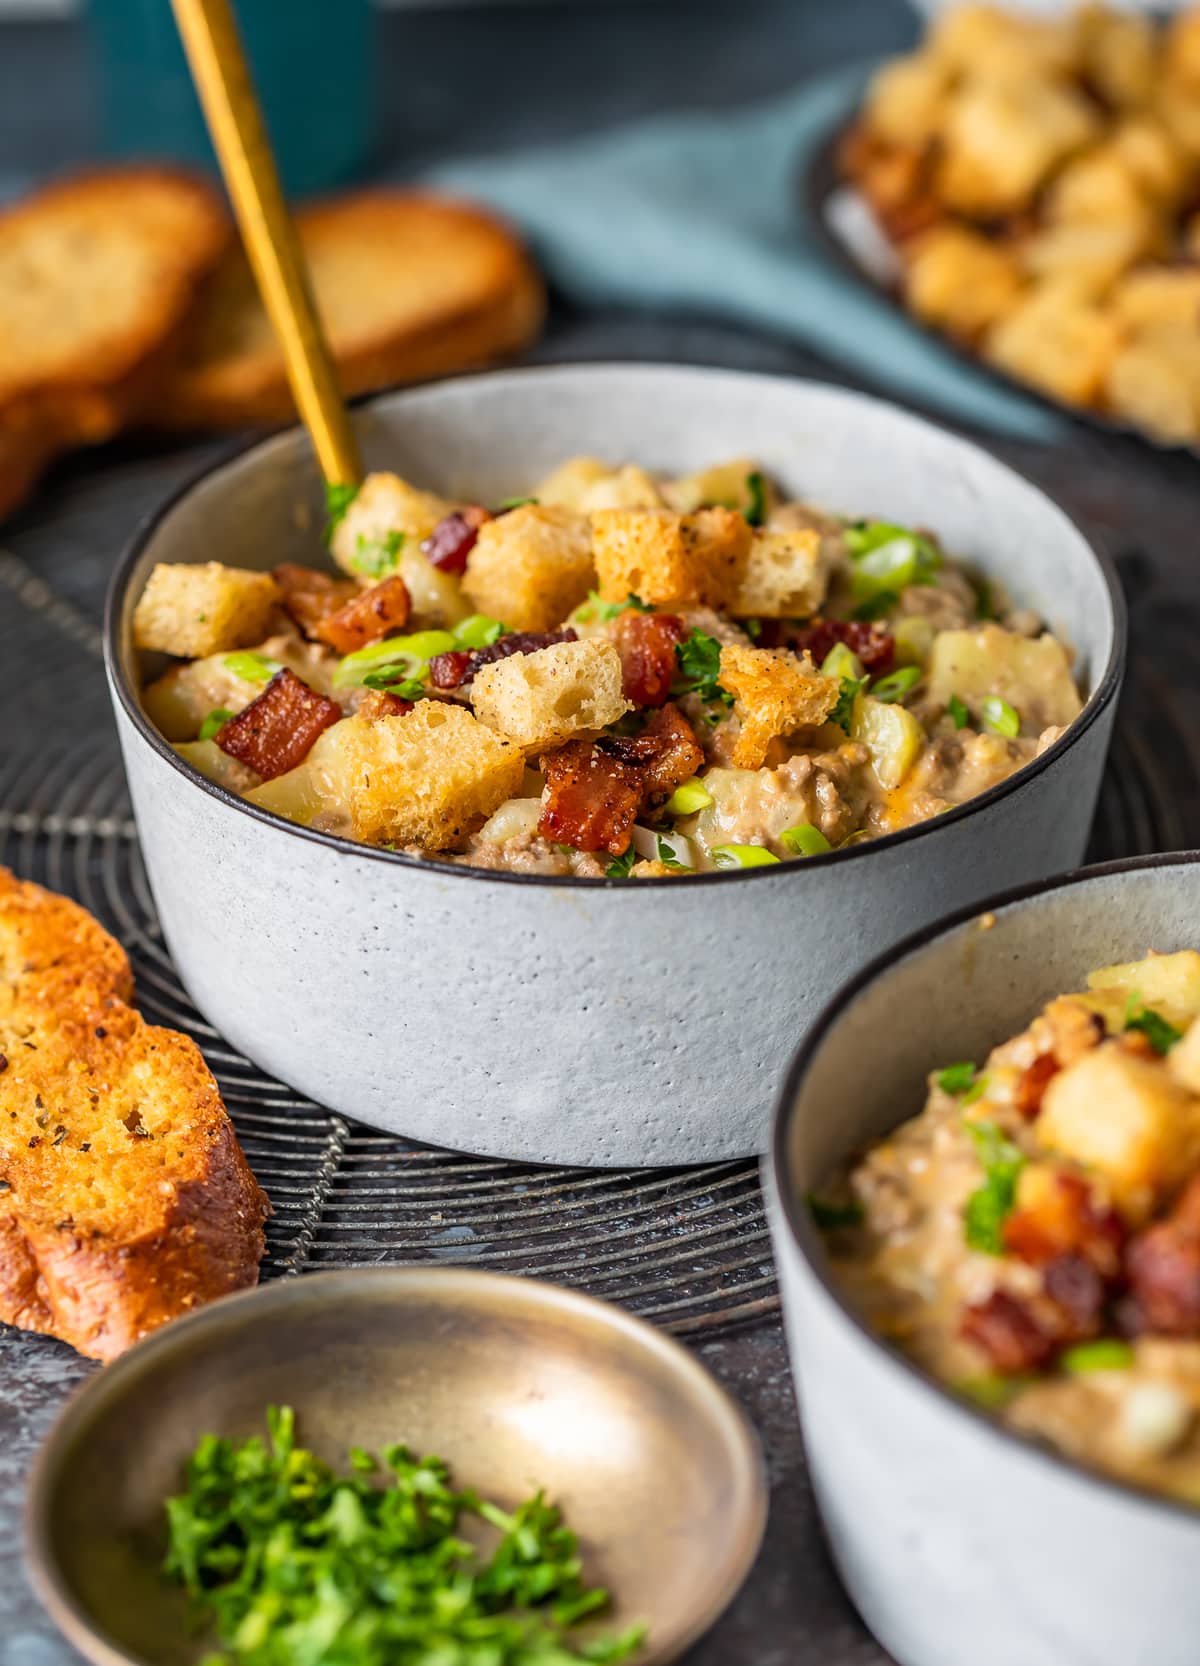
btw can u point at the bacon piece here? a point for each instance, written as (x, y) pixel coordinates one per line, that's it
(875, 647)
(1077, 1293)
(1057, 1216)
(646, 644)
(593, 799)
(369, 617)
(665, 753)
(276, 731)
(458, 667)
(1007, 1331)
(1163, 1268)
(380, 702)
(310, 596)
(453, 538)
(1031, 1084)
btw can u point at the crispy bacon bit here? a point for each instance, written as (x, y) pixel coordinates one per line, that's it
(1007, 1331)
(369, 617)
(309, 596)
(646, 644)
(1031, 1084)
(379, 702)
(1077, 1292)
(593, 799)
(276, 732)
(875, 647)
(1163, 1268)
(453, 538)
(665, 753)
(1057, 1216)
(457, 668)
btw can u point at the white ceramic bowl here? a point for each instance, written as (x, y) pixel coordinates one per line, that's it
(957, 1540)
(584, 1021)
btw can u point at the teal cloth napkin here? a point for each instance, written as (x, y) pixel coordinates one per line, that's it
(706, 213)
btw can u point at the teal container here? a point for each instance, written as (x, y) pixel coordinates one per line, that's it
(312, 65)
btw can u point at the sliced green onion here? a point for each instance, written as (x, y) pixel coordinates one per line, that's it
(956, 1078)
(896, 684)
(958, 712)
(1108, 1353)
(408, 653)
(756, 490)
(742, 856)
(841, 661)
(339, 495)
(991, 1389)
(805, 840)
(886, 557)
(976, 1090)
(830, 1216)
(216, 719)
(252, 668)
(1000, 717)
(516, 502)
(691, 796)
(1158, 1031)
(391, 681)
(479, 631)
(377, 558)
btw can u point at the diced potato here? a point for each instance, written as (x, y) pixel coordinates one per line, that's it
(314, 788)
(774, 694)
(517, 818)
(892, 736)
(429, 777)
(530, 567)
(906, 98)
(206, 609)
(1001, 140)
(725, 484)
(627, 488)
(786, 576)
(1170, 983)
(666, 558)
(961, 281)
(1031, 673)
(749, 806)
(227, 772)
(1057, 341)
(571, 481)
(437, 598)
(384, 504)
(542, 700)
(913, 637)
(1127, 1117)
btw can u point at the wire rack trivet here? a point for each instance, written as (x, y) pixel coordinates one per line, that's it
(686, 1248)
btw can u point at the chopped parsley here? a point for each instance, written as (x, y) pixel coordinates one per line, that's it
(959, 714)
(516, 502)
(699, 661)
(377, 557)
(991, 1204)
(339, 495)
(843, 711)
(391, 680)
(293, 1564)
(830, 1216)
(666, 855)
(1158, 1031)
(756, 488)
(956, 1078)
(216, 720)
(596, 608)
(621, 866)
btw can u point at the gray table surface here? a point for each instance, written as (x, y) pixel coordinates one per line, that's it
(54, 559)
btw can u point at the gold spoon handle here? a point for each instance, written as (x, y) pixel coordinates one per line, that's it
(214, 49)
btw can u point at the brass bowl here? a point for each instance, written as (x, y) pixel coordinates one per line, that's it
(517, 1384)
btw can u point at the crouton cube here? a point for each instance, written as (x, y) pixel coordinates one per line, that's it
(1001, 140)
(961, 282)
(567, 486)
(530, 567)
(584, 484)
(1057, 342)
(907, 97)
(1183, 49)
(1154, 382)
(774, 693)
(786, 576)
(1127, 1117)
(1153, 157)
(994, 42)
(1086, 258)
(1120, 54)
(209, 609)
(1159, 295)
(542, 700)
(664, 558)
(386, 518)
(428, 777)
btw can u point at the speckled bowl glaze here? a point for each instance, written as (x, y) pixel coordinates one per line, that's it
(582, 1021)
(957, 1540)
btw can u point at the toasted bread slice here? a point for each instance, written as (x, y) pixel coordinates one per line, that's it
(124, 1196)
(97, 274)
(408, 286)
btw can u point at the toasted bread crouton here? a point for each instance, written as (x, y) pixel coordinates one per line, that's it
(125, 1200)
(786, 576)
(1057, 341)
(364, 541)
(1001, 140)
(530, 567)
(774, 693)
(961, 281)
(666, 558)
(208, 609)
(542, 700)
(429, 777)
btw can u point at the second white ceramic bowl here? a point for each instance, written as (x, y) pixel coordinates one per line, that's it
(958, 1541)
(583, 1021)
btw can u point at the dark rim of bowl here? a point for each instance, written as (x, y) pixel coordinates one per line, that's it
(1097, 702)
(807, 1238)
